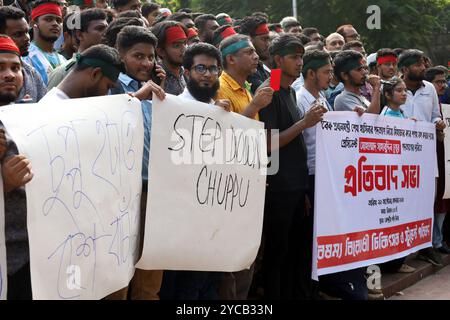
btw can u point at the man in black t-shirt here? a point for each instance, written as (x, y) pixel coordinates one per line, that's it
(285, 196)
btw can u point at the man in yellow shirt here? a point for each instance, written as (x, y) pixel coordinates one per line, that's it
(240, 61)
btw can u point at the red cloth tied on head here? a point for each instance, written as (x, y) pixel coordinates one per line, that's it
(387, 59)
(192, 33)
(227, 32)
(278, 29)
(262, 29)
(175, 33)
(46, 8)
(7, 45)
(228, 19)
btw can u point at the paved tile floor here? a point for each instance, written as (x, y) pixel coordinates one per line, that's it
(433, 287)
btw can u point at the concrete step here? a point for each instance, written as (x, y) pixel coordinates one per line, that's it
(392, 283)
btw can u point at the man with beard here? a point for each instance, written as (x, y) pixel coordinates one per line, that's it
(46, 19)
(285, 194)
(16, 172)
(240, 61)
(422, 103)
(317, 72)
(206, 24)
(172, 44)
(136, 46)
(386, 63)
(350, 69)
(257, 29)
(202, 67)
(14, 25)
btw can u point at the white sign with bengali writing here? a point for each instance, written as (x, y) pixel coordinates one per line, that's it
(83, 204)
(375, 182)
(207, 180)
(3, 271)
(446, 116)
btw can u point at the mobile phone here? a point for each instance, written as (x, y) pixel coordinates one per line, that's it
(154, 76)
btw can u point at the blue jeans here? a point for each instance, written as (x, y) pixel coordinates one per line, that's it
(438, 222)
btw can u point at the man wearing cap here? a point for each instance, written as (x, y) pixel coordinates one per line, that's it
(224, 19)
(291, 25)
(14, 25)
(350, 68)
(16, 172)
(222, 33)
(334, 42)
(257, 29)
(172, 44)
(386, 63)
(284, 217)
(46, 19)
(93, 26)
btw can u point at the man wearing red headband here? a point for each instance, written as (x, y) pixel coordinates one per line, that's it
(222, 33)
(257, 29)
(386, 64)
(46, 19)
(16, 172)
(14, 25)
(192, 36)
(172, 44)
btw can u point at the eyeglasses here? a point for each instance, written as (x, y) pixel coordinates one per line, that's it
(201, 69)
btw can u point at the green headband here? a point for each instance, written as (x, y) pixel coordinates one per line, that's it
(351, 65)
(316, 64)
(108, 70)
(235, 47)
(409, 61)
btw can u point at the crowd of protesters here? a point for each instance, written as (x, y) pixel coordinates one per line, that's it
(49, 52)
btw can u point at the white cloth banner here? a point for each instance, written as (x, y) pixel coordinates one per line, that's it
(206, 188)
(374, 190)
(3, 271)
(83, 204)
(446, 116)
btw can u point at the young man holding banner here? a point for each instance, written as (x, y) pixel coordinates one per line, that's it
(136, 46)
(284, 212)
(317, 72)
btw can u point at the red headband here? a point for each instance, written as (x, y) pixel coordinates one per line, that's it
(7, 45)
(228, 19)
(278, 29)
(386, 59)
(192, 33)
(227, 32)
(262, 29)
(46, 8)
(175, 33)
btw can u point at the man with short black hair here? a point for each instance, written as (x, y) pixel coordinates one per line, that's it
(258, 30)
(206, 24)
(136, 46)
(14, 25)
(93, 26)
(184, 18)
(284, 264)
(350, 69)
(113, 29)
(150, 11)
(172, 44)
(125, 5)
(313, 34)
(356, 46)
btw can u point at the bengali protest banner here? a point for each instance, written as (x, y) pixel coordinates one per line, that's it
(3, 270)
(375, 186)
(83, 204)
(207, 180)
(446, 116)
